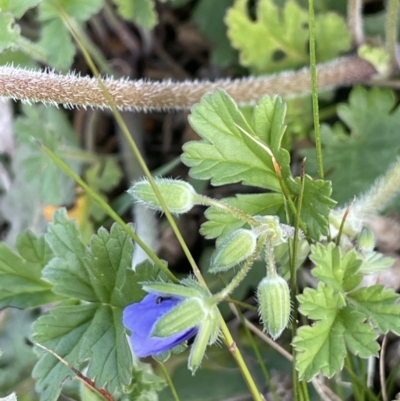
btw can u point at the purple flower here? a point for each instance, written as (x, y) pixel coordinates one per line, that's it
(140, 318)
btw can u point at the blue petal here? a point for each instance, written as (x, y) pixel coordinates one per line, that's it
(140, 319)
(146, 346)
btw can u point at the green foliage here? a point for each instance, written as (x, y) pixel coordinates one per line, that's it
(19, 8)
(363, 153)
(227, 155)
(102, 177)
(284, 36)
(219, 225)
(9, 33)
(92, 330)
(55, 34)
(347, 317)
(51, 128)
(141, 12)
(208, 15)
(21, 284)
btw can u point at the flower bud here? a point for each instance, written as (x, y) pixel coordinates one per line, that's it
(237, 247)
(178, 195)
(271, 225)
(366, 240)
(274, 304)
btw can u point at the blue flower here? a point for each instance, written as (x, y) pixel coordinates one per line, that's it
(141, 318)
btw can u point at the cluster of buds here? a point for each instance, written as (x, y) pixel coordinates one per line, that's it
(171, 314)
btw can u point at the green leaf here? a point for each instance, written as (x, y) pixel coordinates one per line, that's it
(9, 33)
(76, 9)
(52, 128)
(21, 285)
(316, 205)
(284, 35)
(379, 305)
(19, 8)
(334, 269)
(220, 224)
(141, 12)
(362, 154)
(227, 155)
(91, 332)
(208, 15)
(55, 36)
(321, 348)
(77, 333)
(101, 177)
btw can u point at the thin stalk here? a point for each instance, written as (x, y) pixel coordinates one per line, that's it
(314, 84)
(391, 31)
(277, 168)
(382, 375)
(358, 383)
(230, 343)
(169, 381)
(254, 346)
(104, 205)
(293, 279)
(206, 201)
(110, 102)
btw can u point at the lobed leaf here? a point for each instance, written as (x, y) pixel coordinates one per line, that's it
(226, 154)
(334, 269)
(284, 34)
(361, 154)
(21, 285)
(379, 305)
(322, 347)
(91, 332)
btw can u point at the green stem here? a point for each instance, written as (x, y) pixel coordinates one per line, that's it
(169, 381)
(260, 360)
(293, 278)
(230, 343)
(206, 201)
(104, 205)
(314, 85)
(391, 29)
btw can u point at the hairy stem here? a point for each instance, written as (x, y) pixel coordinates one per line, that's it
(355, 22)
(71, 90)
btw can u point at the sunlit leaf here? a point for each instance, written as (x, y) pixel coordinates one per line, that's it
(284, 35)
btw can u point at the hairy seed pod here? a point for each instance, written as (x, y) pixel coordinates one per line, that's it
(274, 304)
(178, 195)
(237, 247)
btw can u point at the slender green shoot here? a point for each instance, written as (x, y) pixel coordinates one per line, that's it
(169, 381)
(314, 85)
